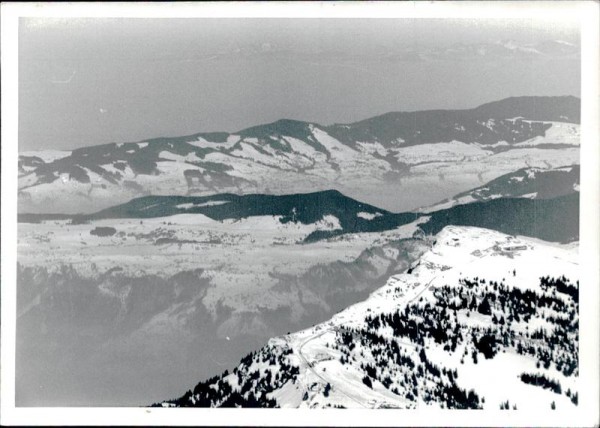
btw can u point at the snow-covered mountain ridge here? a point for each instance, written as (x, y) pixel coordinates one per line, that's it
(445, 150)
(533, 183)
(479, 314)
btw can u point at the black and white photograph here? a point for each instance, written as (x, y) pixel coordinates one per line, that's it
(331, 207)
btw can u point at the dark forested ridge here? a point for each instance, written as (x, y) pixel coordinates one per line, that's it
(554, 219)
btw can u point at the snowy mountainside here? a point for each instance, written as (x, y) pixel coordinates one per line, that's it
(534, 183)
(481, 320)
(445, 150)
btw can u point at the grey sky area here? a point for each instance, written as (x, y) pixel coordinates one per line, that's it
(93, 81)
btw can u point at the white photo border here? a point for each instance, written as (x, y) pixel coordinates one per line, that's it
(585, 12)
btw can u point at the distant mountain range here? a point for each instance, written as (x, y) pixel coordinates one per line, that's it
(386, 160)
(531, 202)
(509, 49)
(504, 49)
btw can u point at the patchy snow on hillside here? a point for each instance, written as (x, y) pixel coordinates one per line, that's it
(28, 180)
(190, 205)
(372, 147)
(558, 133)
(440, 152)
(205, 144)
(249, 151)
(304, 149)
(190, 157)
(355, 156)
(256, 239)
(367, 173)
(368, 216)
(523, 183)
(338, 151)
(532, 195)
(328, 222)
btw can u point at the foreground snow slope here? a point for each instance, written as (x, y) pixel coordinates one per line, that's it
(482, 320)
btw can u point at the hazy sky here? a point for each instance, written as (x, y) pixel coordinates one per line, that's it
(93, 81)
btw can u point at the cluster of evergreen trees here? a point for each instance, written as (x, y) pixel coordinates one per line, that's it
(506, 405)
(255, 385)
(539, 379)
(399, 372)
(486, 344)
(506, 305)
(562, 285)
(508, 308)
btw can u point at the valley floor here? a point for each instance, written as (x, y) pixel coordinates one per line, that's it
(167, 299)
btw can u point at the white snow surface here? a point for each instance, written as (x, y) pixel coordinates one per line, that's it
(368, 216)
(329, 222)
(558, 133)
(189, 205)
(205, 144)
(440, 152)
